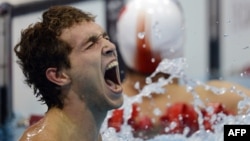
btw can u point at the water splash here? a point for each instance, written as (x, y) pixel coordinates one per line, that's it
(176, 68)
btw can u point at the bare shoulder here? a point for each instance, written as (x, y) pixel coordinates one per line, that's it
(229, 85)
(224, 92)
(37, 132)
(215, 88)
(32, 134)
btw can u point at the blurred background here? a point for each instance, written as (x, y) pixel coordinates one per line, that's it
(217, 47)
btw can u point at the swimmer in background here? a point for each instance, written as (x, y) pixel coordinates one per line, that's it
(69, 61)
(148, 32)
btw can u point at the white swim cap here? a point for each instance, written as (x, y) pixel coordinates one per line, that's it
(148, 31)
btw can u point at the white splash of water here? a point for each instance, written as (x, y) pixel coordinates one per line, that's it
(176, 69)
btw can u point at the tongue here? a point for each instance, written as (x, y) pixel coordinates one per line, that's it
(111, 84)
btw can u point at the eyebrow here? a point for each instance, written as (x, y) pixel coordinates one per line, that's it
(94, 38)
(104, 34)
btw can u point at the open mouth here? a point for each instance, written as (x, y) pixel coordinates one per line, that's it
(112, 77)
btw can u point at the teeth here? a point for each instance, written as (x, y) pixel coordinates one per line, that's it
(111, 65)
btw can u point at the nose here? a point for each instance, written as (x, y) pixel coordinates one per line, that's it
(109, 49)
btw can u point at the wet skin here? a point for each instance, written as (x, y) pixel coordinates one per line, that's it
(89, 87)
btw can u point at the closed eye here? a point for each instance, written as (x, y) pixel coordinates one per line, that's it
(105, 36)
(94, 39)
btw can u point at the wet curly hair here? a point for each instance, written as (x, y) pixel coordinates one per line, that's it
(40, 48)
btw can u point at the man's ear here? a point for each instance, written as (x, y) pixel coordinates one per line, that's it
(57, 77)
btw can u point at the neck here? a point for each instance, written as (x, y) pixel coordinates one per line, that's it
(86, 121)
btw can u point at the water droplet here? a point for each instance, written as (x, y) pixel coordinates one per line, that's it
(173, 125)
(148, 80)
(189, 88)
(242, 74)
(157, 111)
(137, 85)
(153, 60)
(141, 35)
